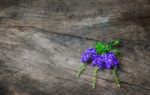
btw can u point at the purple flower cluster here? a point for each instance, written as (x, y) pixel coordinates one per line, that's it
(108, 60)
(88, 55)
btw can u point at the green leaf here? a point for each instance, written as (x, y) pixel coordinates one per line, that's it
(82, 68)
(115, 42)
(95, 72)
(116, 77)
(102, 47)
(116, 51)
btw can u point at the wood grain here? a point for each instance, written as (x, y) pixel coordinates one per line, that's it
(41, 42)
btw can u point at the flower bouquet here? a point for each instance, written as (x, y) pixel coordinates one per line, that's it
(102, 56)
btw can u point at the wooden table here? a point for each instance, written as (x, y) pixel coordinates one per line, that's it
(41, 42)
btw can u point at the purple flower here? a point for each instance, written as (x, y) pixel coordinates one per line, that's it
(107, 61)
(110, 60)
(98, 61)
(85, 57)
(88, 55)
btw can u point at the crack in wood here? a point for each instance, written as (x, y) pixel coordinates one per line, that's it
(75, 36)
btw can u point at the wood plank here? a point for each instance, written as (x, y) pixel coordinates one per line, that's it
(118, 18)
(41, 42)
(52, 59)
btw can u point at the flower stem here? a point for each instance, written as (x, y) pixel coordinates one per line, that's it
(82, 68)
(95, 72)
(117, 79)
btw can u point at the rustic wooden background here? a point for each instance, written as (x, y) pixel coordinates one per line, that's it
(41, 42)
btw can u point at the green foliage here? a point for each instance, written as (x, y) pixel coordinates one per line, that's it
(115, 42)
(103, 48)
(115, 74)
(95, 72)
(116, 51)
(82, 68)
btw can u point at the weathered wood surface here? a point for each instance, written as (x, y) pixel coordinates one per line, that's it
(41, 42)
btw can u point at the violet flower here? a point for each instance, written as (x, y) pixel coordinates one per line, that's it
(110, 60)
(88, 55)
(107, 61)
(98, 61)
(103, 56)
